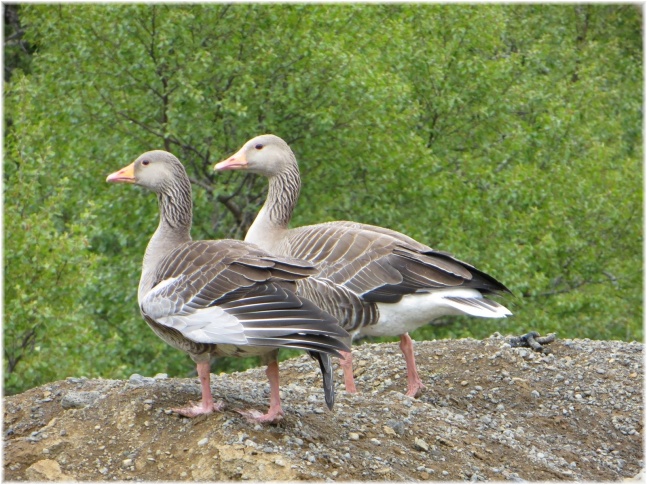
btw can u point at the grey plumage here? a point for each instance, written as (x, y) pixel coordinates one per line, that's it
(201, 277)
(376, 281)
(379, 266)
(375, 264)
(222, 297)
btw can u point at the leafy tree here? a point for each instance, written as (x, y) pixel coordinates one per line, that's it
(513, 132)
(17, 52)
(46, 259)
(525, 173)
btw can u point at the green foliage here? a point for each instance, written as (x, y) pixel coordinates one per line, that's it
(17, 52)
(46, 331)
(509, 135)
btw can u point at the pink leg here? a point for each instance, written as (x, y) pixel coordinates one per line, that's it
(413, 380)
(207, 406)
(346, 363)
(275, 413)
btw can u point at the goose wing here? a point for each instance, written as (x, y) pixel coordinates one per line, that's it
(382, 265)
(229, 292)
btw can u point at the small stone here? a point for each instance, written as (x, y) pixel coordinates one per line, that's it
(160, 377)
(279, 462)
(464, 383)
(535, 394)
(127, 462)
(78, 399)
(353, 436)
(445, 473)
(47, 470)
(103, 470)
(421, 444)
(376, 442)
(203, 441)
(514, 477)
(388, 430)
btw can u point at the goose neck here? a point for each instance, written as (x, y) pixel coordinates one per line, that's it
(173, 230)
(282, 197)
(274, 217)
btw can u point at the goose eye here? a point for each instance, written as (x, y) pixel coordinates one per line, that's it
(145, 162)
(259, 146)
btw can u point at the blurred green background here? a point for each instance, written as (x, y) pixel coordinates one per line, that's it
(509, 135)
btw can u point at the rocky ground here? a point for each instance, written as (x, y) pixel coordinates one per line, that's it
(490, 412)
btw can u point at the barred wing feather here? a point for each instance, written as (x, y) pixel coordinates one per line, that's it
(237, 299)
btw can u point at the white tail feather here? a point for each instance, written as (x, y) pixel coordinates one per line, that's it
(419, 309)
(478, 307)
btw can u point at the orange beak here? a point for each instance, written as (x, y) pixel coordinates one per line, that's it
(125, 175)
(237, 161)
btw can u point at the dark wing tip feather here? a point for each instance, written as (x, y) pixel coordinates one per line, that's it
(432, 269)
(327, 377)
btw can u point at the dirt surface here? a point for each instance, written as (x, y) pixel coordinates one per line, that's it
(489, 412)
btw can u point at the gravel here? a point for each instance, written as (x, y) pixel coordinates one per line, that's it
(489, 412)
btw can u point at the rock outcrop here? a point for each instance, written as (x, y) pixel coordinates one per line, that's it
(489, 412)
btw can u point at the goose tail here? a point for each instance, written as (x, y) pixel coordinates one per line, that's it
(326, 373)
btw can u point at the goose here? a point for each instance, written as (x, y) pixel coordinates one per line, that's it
(223, 297)
(392, 284)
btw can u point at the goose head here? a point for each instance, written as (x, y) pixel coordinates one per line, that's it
(156, 170)
(266, 155)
